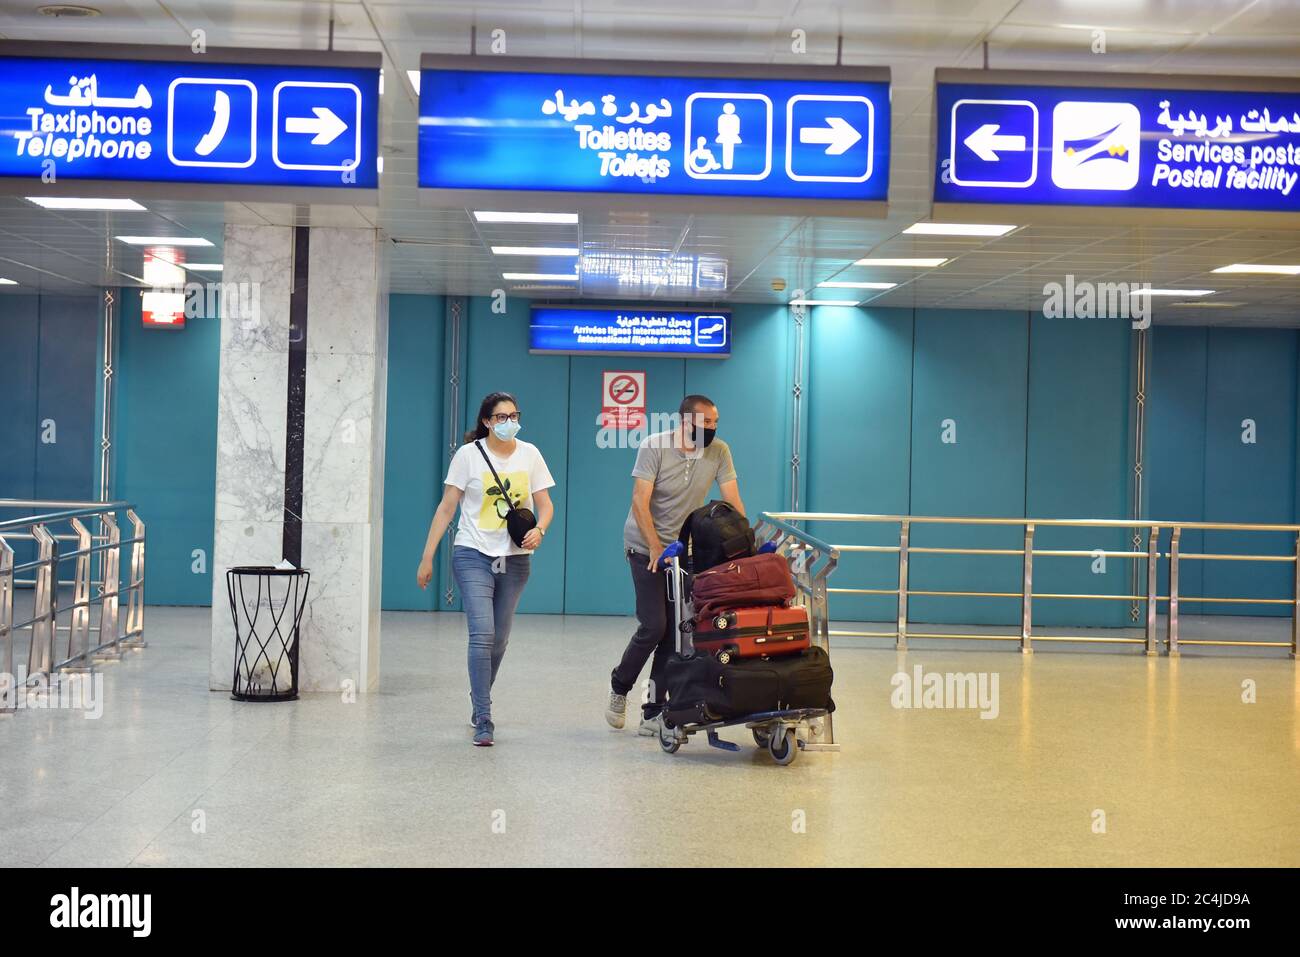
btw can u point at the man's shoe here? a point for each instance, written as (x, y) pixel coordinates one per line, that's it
(483, 734)
(650, 725)
(616, 711)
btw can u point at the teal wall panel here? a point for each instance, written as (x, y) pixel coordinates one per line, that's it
(970, 373)
(413, 470)
(1175, 451)
(1078, 464)
(859, 443)
(165, 447)
(1250, 379)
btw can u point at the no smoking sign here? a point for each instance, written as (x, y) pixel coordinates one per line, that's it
(622, 400)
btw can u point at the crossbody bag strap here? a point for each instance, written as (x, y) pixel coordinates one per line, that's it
(504, 494)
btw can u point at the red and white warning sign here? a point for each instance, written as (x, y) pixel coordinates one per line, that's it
(622, 400)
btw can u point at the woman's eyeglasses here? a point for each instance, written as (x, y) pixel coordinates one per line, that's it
(499, 417)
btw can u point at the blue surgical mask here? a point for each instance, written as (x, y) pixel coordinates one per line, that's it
(507, 430)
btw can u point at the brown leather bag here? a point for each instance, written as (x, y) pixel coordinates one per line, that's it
(743, 583)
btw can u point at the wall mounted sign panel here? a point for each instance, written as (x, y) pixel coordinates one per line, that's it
(207, 119)
(580, 127)
(631, 331)
(1038, 142)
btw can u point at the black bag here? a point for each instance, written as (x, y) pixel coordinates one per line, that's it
(702, 689)
(519, 520)
(716, 533)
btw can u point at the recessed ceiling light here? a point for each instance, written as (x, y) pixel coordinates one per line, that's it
(858, 285)
(70, 202)
(535, 250)
(7, 282)
(72, 11)
(958, 229)
(540, 276)
(414, 77)
(1259, 268)
(489, 216)
(1171, 292)
(204, 267)
(162, 240)
(918, 263)
(823, 302)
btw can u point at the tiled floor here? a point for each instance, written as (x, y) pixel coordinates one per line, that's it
(1184, 771)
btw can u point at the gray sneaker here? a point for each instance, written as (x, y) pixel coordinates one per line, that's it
(483, 734)
(650, 726)
(616, 711)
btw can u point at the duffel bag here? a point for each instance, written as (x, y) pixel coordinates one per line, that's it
(702, 689)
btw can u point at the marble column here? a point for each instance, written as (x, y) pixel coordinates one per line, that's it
(342, 440)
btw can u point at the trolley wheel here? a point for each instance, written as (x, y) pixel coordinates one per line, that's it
(724, 656)
(783, 749)
(762, 738)
(668, 740)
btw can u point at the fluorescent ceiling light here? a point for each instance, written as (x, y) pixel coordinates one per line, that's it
(916, 263)
(162, 240)
(823, 302)
(1208, 305)
(535, 250)
(72, 202)
(7, 282)
(414, 77)
(540, 276)
(204, 267)
(958, 229)
(488, 216)
(858, 285)
(1171, 292)
(1259, 268)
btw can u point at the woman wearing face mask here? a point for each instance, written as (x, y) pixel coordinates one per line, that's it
(490, 568)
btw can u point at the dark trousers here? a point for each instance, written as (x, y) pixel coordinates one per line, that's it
(655, 634)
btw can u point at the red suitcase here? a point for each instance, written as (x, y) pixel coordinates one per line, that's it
(753, 632)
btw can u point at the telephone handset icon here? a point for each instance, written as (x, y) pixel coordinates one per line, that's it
(220, 122)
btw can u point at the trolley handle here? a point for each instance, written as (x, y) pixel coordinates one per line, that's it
(675, 550)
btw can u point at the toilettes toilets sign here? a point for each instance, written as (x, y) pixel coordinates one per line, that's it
(1120, 145)
(606, 127)
(133, 117)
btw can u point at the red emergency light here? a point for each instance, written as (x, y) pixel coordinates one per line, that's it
(163, 306)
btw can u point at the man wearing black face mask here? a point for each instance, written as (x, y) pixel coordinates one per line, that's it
(673, 474)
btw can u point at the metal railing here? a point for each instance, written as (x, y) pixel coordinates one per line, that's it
(95, 562)
(1150, 558)
(811, 562)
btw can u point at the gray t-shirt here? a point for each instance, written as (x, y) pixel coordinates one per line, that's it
(682, 481)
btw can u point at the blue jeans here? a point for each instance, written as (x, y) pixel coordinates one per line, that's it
(489, 599)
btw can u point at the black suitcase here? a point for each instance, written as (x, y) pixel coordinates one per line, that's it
(702, 689)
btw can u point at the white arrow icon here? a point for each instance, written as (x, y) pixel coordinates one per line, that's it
(986, 140)
(837, 134)
(326, 125)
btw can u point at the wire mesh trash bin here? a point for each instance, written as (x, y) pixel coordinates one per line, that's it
(266, 604)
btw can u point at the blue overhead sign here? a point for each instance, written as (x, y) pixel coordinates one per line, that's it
(631, 331)
(195, 121)
(1110, 146)
(647, 135)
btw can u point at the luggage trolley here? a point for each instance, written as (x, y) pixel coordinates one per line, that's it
(782, 733)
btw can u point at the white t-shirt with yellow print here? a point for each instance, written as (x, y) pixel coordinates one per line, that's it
(483, 517)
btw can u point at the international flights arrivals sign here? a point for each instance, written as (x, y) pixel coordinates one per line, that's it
(1164, 148)
(601, 127)
(229, 118)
